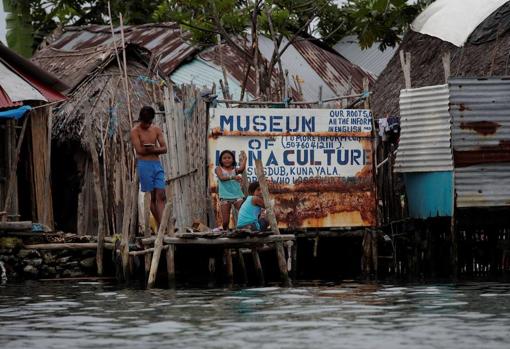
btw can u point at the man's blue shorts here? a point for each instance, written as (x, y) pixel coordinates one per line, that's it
(151, 174)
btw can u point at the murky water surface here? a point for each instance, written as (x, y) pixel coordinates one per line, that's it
(100, 315)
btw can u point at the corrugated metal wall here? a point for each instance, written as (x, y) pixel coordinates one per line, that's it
(480, 109)
(425, 130)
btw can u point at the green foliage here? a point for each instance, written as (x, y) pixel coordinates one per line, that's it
(19, 27)
(371, 20)
(383, 21)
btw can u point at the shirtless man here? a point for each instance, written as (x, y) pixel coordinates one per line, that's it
(149, 143)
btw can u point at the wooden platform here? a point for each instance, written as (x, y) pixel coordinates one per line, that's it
(237, 246)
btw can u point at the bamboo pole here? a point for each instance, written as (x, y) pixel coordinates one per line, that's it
(48, 207)
(126, 220)
(280, 253)
(226, 92)
(126, 84)
(99, 203)
(158, 244)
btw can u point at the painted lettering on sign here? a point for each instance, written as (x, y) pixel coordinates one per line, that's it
(291, 120)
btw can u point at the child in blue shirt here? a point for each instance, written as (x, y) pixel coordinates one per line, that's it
(249, 214)
(229, 184)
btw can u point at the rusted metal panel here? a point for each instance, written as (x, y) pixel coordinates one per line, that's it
(480, 109)
(167, 43)
(425, 134)
(320, 174)
(337, 72)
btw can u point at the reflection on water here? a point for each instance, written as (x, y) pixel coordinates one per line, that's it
(96, 315)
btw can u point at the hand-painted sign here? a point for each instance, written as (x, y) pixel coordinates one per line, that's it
(318, 161)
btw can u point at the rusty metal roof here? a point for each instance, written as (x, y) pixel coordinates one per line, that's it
(22, 81)
(336, 72)
(481, 140)
(167, 43)
(73, 66)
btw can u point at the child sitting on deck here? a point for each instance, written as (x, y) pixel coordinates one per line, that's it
(249, 214)
(229, 184)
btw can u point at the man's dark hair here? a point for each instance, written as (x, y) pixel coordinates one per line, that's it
(252, 187)
(146, 114)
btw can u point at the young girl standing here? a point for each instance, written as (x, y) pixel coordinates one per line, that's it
(229, 184)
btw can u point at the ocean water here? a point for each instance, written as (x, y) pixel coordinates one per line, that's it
(311, 315)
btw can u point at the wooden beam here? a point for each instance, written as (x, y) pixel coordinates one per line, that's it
(280, 253)
(158, 243)
(67, 246)
(11, 185)
(99, 202)
(16, 226)
(258, 266)
(231, 242)
(170, 265)
(405, 61)
(446, 58)
(229, 266)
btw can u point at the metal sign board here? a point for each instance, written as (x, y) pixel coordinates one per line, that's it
(318, 161)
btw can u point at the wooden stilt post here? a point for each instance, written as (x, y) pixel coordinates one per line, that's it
(99, 201)
(229, 266)
(158, 244)
(258, 266)
(294, 259)
(405, 61)
(366, 254)
(147, 230)
(375, 253)
(280, 253)
(126, 219)
(170, 265)
(454, 247)
(242, 264)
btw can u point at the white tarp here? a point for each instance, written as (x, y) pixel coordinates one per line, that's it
(454, 20)
(16, 88)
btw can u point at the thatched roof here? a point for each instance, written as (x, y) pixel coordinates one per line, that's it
(98, 99)
(485, 54)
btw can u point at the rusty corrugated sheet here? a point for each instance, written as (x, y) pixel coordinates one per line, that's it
(480, 109)
(311, 190)
(337, 72)
(73, 66)
(5, 101)
(425, 134)
(165, 41)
